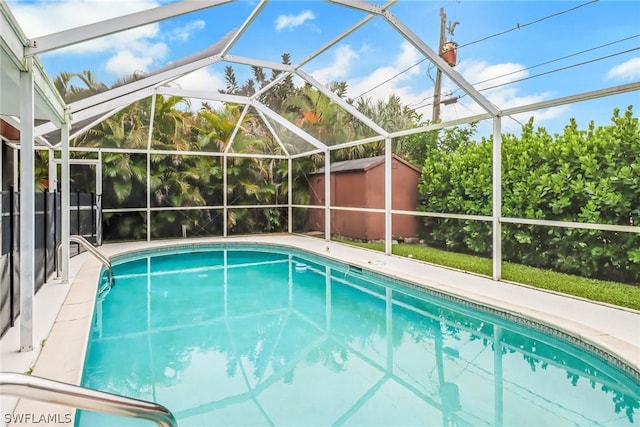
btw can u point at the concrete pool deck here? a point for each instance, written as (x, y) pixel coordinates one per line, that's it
(64, 312)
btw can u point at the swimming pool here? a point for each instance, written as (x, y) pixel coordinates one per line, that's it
(247, 335)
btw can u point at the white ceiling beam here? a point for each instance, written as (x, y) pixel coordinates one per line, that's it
(259, 63)
(457, 79)
(202, 94)
(585, 96)
(15, 122)
(147, 82)
(340, 37)
(254, 14)
(48, 93)
(355, 143)
(273, 132)
(45, 128)
(114, 25)
(363, 6)
(307, 154)
(95, 122)
(243, 113)
(287, 124)
(440, 125)
(344, 104)
(11, 36)
(271, 84)
(111, 104)
(422, 47)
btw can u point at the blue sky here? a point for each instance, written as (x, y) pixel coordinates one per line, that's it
(376, 52)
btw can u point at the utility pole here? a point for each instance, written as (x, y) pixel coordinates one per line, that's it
(436, 89)
(446, 51)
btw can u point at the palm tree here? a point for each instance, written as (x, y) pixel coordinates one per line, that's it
(317, 114)
(70, 92)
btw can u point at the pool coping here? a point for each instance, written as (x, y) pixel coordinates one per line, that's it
(617, 333)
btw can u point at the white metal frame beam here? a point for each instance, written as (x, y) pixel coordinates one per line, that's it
(112, 104)
(341, 102)
(49, 94)
(15, 122)
(273, 133)
(27, 207)
(327, 195)
(363, 6)
(388, 196)
(232, 138)
(288, 125)
(201, 94)
(584, 96)
(11, 36)
(65, 202)
(340, 37)
(496, 182)
(457, 79)
(77, 132)
(152, 116)
(146, 82)
(242, 60)
(114, 25)
(419, 44)
(254, 14)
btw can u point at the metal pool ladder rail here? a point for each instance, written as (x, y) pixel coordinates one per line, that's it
(50, 391)
(92, 249)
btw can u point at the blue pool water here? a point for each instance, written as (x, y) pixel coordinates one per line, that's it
(257, 336)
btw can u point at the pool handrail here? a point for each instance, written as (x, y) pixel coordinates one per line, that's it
(92, 249)
(56, 392)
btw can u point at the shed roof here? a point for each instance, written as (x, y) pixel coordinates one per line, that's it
(362, 164)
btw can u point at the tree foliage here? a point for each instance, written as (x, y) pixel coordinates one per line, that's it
(587, 176)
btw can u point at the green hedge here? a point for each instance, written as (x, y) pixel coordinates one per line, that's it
(590, 176)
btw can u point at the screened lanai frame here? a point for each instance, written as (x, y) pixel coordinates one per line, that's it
(38, 98)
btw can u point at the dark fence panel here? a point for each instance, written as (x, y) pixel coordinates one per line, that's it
(5, 298)
(9, 261)
(39, 252)
(47, 237)
(52, 233)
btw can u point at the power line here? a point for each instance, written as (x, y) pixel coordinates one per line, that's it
(547, 72)
(391, 78)
(518, 26)
(563, 68)
(535, 66)
(559, 59)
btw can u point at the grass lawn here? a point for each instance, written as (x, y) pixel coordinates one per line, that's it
(598, 290)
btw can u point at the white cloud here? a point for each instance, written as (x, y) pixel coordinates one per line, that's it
(292, 21)
(406, 57)
(137, 56)
(126, 62)
(202, 79)
(629, 70)
(483, 75)
(339, 67)
(185, 32)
